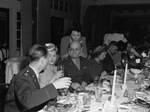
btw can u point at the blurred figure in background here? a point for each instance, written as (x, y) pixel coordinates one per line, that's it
(117, 57)
(75, 34)
(131, 51)
(95, 64)
(108, 62)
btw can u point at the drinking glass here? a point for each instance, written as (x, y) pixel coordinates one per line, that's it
(98, 94)
(64, 91)
(60, 67)
(86, 101)
(131, 95)
(145, 73)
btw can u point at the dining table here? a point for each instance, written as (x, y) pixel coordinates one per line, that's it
(122, 102)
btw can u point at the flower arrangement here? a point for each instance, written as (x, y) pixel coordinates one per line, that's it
(134, 62)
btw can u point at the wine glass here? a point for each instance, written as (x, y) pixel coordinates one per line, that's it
(64, 91)
(98, 94)
(136, 72)
(60, 68)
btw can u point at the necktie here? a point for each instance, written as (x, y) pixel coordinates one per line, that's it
(78, 63)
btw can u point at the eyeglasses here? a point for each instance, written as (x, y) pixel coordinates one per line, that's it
(77, 49)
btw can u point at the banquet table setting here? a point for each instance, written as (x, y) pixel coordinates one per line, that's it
(127, 91)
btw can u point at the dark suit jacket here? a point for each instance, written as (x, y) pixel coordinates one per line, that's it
(24, 93)
(71, 70)
(108, 63)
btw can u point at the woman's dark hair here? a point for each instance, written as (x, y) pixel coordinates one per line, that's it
(122, 46)
(76, 27)
(37, 51)
(98, 51)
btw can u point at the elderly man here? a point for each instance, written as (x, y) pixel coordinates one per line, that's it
(108, 63)
(25, 93)
(76, 66)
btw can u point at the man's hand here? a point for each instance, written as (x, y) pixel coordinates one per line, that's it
(58, 75)
(75, 85)
(63, 82)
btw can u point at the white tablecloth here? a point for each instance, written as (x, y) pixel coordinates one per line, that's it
(95, 106)
(13, 67)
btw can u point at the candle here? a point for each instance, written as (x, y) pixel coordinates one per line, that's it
(113, 88)
(125, 74)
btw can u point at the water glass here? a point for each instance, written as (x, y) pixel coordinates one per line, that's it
(86, 101)
(98, 94)
(145, 73)
(131, 95)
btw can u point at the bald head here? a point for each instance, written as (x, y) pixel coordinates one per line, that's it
(75, 43)
(75, 49)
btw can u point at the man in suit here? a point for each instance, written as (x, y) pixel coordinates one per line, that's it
(76, 66)
(24, 93)
(108, 63)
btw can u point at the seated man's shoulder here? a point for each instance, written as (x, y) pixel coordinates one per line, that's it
(24, 73)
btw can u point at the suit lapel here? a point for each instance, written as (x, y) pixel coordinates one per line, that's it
(73, 64)
(81, 64)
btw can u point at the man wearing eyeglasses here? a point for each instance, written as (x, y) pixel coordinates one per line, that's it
(76, 66)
